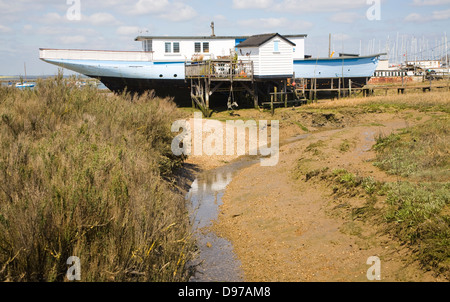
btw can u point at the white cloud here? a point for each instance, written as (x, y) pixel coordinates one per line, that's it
(430, 2)
(179, 12)
(251, 4)
(72, 40)
(172, 11)
(264, 22)
(4, 29)
(274, 24)
(300, 6)
(143, 7)
(52, 18)
(414, 17)
(441, 15)
(435, 16)
(346, 17)
(101, 19)
(128, 30)
(341, 37)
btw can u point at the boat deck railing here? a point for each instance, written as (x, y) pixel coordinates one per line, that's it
(220, 70)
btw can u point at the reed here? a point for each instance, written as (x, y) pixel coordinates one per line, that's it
(90, 175)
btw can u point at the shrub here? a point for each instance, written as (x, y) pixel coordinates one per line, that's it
(87, 174)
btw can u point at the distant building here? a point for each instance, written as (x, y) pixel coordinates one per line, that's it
(425, 64)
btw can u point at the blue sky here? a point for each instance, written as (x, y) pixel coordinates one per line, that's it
(27, 25)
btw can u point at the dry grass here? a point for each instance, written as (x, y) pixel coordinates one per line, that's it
(438, 100)
(89, 175)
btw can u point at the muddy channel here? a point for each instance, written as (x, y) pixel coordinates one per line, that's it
(216, 261)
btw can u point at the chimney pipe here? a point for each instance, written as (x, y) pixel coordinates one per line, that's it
(212, 27)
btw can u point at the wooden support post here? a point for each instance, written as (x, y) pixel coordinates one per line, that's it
(315, 89)
(207, 89)
(339, 88)
(192, 95)
(255, 95)
(271, 104)
(285, 94)
(349, 88)
(304, 86)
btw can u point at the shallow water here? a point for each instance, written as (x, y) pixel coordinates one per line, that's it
(216, 261)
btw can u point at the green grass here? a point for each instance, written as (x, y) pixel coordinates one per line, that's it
(417, 214)
(301, 126)
(419, 152)
(417, 211)
(90, 175)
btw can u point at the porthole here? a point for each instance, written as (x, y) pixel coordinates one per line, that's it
(175, 75)
(160, 75)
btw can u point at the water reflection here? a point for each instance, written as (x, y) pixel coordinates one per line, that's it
(217, 261)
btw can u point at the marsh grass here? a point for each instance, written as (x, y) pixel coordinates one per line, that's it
(420, 152)
(417, 214)
(416, 211)
(431, 101)
(90, 175)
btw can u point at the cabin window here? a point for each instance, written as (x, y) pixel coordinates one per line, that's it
(148, 45)
(176, 47)
(206, 47)
(276, 46)
(168, 47)
(172, 47)
(198, 47)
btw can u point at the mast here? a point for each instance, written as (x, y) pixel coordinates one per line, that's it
(329, 45)
(446, 50)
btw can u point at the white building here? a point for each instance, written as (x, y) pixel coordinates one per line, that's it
(272, 55)
(425, 64)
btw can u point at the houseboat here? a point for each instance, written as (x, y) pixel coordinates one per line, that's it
(161, 64)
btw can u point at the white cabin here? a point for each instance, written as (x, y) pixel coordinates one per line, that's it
(272, 55)
(181, 49)
(187, 48)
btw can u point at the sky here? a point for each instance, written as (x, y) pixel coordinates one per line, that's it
(356, 26)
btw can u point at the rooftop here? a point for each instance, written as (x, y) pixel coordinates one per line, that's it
(259, 40)
(141, 38)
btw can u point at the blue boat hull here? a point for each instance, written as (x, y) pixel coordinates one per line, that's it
(358, 67)
(168, 78)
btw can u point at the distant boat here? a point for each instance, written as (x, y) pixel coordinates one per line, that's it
(25, 85)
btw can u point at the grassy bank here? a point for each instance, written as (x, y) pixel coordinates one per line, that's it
(415, 209)
(430, 101)
(89, 175)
